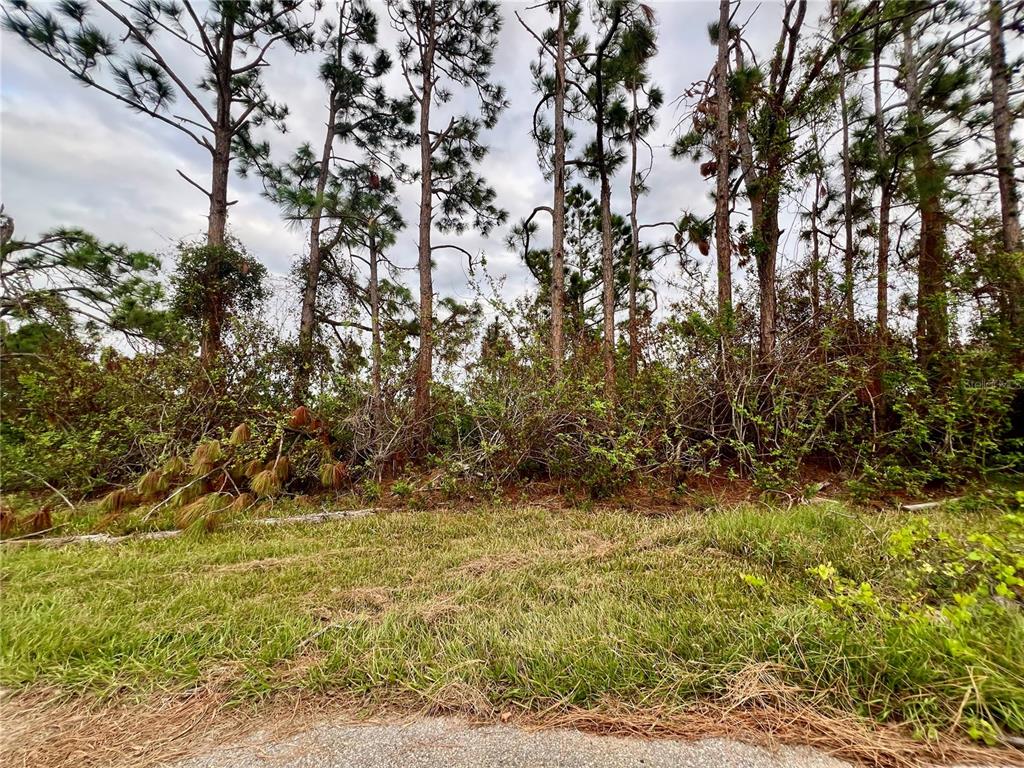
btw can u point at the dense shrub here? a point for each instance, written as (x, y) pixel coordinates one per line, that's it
(81, 418)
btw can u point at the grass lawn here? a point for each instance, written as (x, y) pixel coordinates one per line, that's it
(525, 607)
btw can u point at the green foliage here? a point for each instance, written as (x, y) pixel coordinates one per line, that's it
(462, 38)
(213, 282)
(69, 282)
(947, 590)
(582, 253)
(402, 489)
(82, 419)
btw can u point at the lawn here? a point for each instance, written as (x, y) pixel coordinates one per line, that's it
(878, 614)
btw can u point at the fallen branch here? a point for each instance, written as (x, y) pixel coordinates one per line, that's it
(57, 491)
(106, 538)
(315, 517)
(929, 504)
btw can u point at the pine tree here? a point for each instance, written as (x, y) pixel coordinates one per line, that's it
(563, 45)
(365, 228)
(775, 100)
(443, 44)
(633, 121)
(584, 283)
(136, 67)
(69, 281)
(603, 160)
(1002, 125)
(723, 138)
(361, 120)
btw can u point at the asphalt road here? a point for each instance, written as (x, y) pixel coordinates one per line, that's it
(451, 743)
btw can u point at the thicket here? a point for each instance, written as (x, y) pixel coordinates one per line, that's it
(602, 374)
(85, 418)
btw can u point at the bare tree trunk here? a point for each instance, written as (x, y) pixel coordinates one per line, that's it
(424, 362)
(216, 233)
(932, 313)
(884, 205)
(1002, 120)
(376, 403)
(607, 257)
(766, 254)
(885, 181)
(307, 320)
(764, 214)
(815, 254)
(216, 230)
(723, 244)
(608, 289)
(558, 204)
(848, 249)
(634, 249)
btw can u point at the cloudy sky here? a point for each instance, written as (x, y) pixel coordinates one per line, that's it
(71, 156)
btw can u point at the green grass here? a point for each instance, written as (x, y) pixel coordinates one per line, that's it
(517, 606)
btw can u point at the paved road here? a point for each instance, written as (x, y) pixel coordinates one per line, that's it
(450, 743)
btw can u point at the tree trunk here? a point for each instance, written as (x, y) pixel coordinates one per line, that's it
(210, 342)
(723, 244)
(634, 249)
(885, 182)
(608, 288)
(424, 362)
(216, 233)
(815, 254)
(307, 321)
(764, 216)
(932, 313)
(1009, 201)
(766, 252)
(376, 403)
(558, 204)
(848, 249)
(607, 257)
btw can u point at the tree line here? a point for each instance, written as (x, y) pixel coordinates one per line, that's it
(879, 137)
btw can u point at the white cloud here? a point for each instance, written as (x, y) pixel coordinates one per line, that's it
(72, 157)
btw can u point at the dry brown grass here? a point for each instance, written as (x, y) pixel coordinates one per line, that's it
(45, 729)
(506, 561)
(438, 609)
(590, 546)
(374, 599)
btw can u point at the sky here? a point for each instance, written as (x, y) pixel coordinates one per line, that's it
(71, 156)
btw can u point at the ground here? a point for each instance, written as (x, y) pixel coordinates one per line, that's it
(748, 620)
(450, 743)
